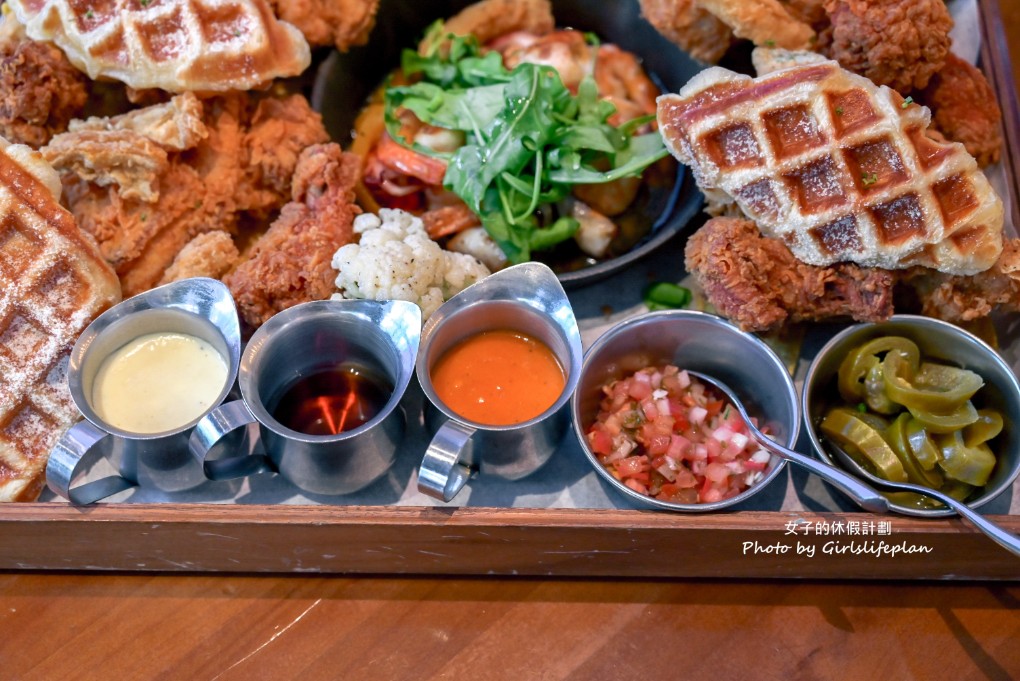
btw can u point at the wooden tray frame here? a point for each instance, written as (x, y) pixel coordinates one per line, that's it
(501, 541)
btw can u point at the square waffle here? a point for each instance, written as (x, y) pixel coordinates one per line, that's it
(53, 282)
(174, 45)
(835, 166)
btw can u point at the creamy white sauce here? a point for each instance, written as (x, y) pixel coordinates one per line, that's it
(158, 382)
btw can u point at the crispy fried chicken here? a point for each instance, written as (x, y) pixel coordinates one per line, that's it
(964, 109)
(899, 43)
(343, 23)
(126, 159)
(175, 124)
(763, 22)
(811, 12)
(40, 91)
(757, 282)
(697, 31)
(964, 299)
(238, 162)
(491, 19)
(210, 254)
(290, 264)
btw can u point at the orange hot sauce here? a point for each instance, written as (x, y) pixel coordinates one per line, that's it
(498, 378)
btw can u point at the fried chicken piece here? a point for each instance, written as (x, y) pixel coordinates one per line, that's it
(290, 264)
(964, 299)
(40, 91)
(343, 23)
(490, 19)
(899, 43)
(235, 171)
(278, 131)
(129, 150)
(757, 283)
(811, 12)
(964, 109)
(174, 125)
(132, 162)
(763, 22)
(698, 32)
(211, 254)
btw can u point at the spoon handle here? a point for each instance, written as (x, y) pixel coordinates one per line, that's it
(863, 494)
(999, 535)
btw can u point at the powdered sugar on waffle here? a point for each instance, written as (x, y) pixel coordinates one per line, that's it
(836, 167)
(175, 45)
(53, 282)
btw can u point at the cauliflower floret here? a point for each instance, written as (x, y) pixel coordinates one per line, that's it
(396, 260)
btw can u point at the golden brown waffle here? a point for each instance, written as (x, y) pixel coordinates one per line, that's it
(836, 167)
(175, 45)
(53, 282)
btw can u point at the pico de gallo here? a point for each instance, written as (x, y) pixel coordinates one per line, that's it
(664, 433)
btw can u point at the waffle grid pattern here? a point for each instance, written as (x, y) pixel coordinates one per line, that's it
(175, 45)
(49, 295)
(836, 167)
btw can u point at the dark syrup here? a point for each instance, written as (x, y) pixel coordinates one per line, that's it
(332, 401)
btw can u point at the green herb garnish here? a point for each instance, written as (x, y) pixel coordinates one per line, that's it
(907, 102)
(770, 43)
(528, 140)
(869, 178)
(839, 111)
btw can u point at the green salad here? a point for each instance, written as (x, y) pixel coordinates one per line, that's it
(527, 139)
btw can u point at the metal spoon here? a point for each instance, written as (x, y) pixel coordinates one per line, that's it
(866, 496)
(1000, 536)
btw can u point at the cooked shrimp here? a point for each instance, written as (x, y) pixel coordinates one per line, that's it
(596, 231)
(566, 51)
(490, 19)
(610, 198)
(397, 157)
(449, 220)
(622, 80)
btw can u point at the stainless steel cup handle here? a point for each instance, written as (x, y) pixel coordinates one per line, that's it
(441, 474)
(213, 427)
(74, 453)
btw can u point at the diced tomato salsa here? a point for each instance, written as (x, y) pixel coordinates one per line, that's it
(664, 433)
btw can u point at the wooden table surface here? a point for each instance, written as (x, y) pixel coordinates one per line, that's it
(100, 626)
(208, 627)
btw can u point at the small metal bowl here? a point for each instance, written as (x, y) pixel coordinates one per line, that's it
(700, 342)
(940, 341)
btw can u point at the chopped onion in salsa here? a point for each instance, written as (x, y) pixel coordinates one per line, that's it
(664, 433)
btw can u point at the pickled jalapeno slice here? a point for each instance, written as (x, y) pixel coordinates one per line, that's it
(931, 388)
(916, 473)
(864, 442)
(971, 465)
(855, 367)
(936, 437)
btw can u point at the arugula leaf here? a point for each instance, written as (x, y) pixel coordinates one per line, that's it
(643, 151)
(524, 126)
(528, 139)
(453, 61)
(466, 110)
